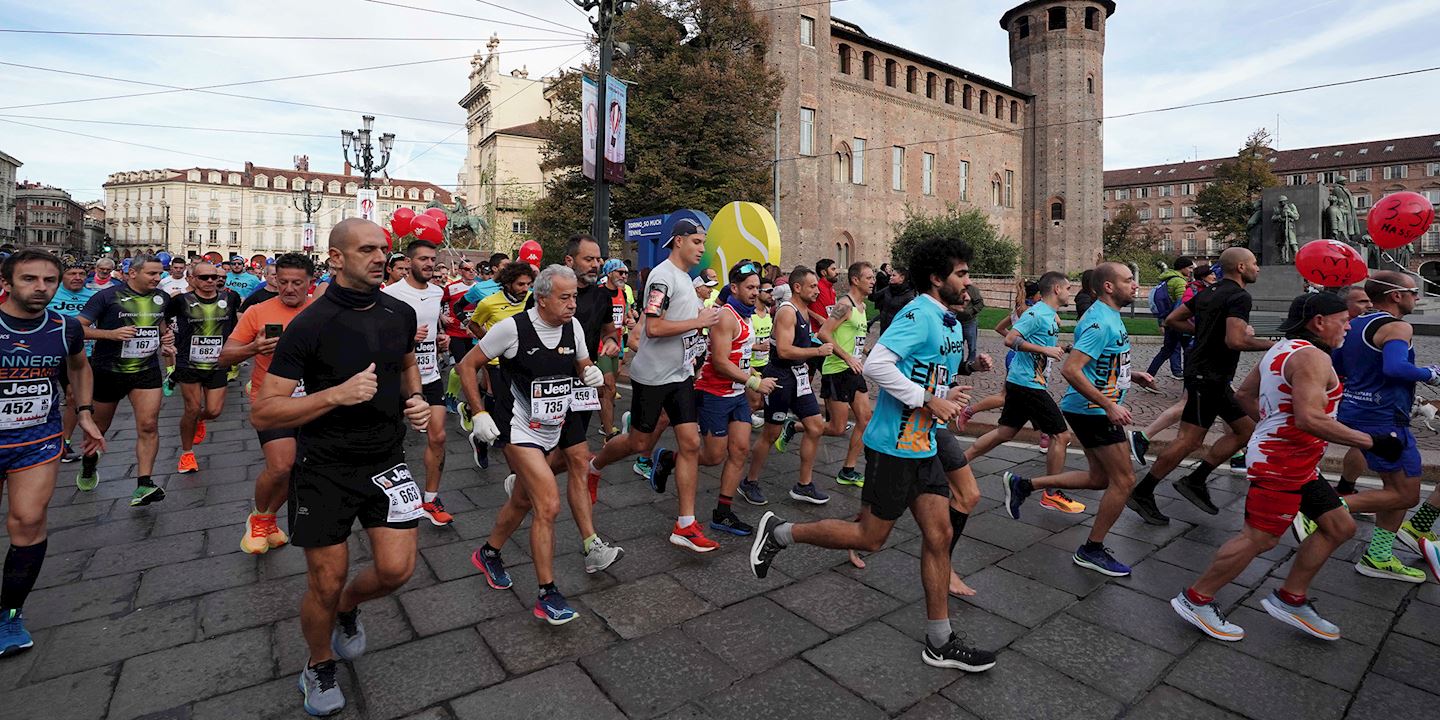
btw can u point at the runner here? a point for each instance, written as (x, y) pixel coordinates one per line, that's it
(763, 323)
(543, 353)
(127, 323)
(1098, 370)
(1035, 340)
(351, 422)
(104, 276)
(69, 300)
(826, 273)
(203, 318)
(455, 311)
(901, 470)
(515, 282)
(1173, 281)
(622, 317)
(397, 266)
(1027, 294)
(264, 292)
(256, 336)
(486, 288)
(1293, 391)
(1358, 303)
(790, 370)
(240, 279)
(842, 384)
(1219, 319)
(176, 282)
(423, 297)
(705, 287)
(43, 348)
(663, 377)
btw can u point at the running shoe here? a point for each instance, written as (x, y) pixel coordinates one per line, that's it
(764, 549)
(145, 495)
(199, 433)
(257, 534)
(692, 537)
(757, 421)
(1148, 389)
(1058, 500)
(14, 638)
(1302, 527)
(1101, 561)
(787, 433)
(1430, 550)
(70, 454)
(187, 464)
(1410, 537)
(1146, 508)
(1044, 441)
(1237, 461)
(624, 419)
(662, 461)
(850, 477)
(808, 493)
(321, 690)
(167, 388)
(1208, 618)
(1303, 617)
(601, 555)
(553, 608)
(750, 490)
(89, 477)
(467, 422)
(234, 373)
(273, 534)
(1015, 494)
(347, 640)
(956, 654)
(641, 466)
(1177, 376)
(729, 522)
(493, 568)
(481, 453)
(1389, 569)
(452, 405)
(1198, 494)
(1139, 446)
(435, 510)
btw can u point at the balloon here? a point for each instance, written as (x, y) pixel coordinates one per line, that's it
(440, 217)
(1330, 263)
(741, 230)
(425, 228)
(1399, 219)
(164, 258)
(389, 239)
(531, 252)
(125, 265)
(403, 222)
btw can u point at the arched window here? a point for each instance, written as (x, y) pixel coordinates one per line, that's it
(892, 71)
(868, 61)
(1057, 210)
(317, 186)
(912, 79)
(414, 194)
(842, 164)
(844, 59)
(261, 181)
(334, 186)
(995, 191)
(930, 83)
(429, 195)
(965, 96)
(999, 107)
(949, 92)
(984, 102)
(1090, 84)
(1014, 112)
(1057, 18)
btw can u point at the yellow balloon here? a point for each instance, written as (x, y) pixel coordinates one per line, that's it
(741, 230)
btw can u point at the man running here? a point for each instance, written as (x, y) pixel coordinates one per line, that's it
(240, 279)
(1098, 370)
(127, 323)
(256, 336)
(1293, 392)
(455, 311)
(265, 291)
(1219, 319)
(203, 318)
(622, 317)
(826, 273)
(514, 290)
(913, 364)
(42, 347)
(423, 297)
(69, 300)
(543, 353)
(353, 349)
(842, 384)
(104, 275)
(484, 289)
(763, 322)
(176, 282)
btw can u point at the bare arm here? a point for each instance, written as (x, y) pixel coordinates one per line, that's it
(274, 408)
(839, 313)
(1239, 336)
(1248, 394)
(469, 369)
(783, 336)
(1181, 319)
(1003, 327)
(236, 352)
(720, 338)
(1309, 371)
(659, 327)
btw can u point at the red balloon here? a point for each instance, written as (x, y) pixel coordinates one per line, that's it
(425, 228)
(403, 222)
(1399, 219)
(531, 252)
(439, 215)
(389, 239)
(1330, 263)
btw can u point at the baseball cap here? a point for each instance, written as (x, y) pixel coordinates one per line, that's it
(1310, 305)
(683, 228)
(236, 258)
(703, 281)
(612, 265)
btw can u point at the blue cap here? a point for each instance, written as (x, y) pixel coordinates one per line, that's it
(612, 265)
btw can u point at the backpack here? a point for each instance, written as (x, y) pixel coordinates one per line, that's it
(1160, 301)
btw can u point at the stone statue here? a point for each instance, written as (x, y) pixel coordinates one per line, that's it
(1253, 229)
(1401, 256)
(1337, 225)
(1339, 190)
(460, 218)
(1286, 215)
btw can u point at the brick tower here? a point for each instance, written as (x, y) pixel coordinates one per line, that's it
(1057, 54)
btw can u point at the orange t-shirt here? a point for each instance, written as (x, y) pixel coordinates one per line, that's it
(252, 325)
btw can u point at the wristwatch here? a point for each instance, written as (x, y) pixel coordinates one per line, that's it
(86, 408)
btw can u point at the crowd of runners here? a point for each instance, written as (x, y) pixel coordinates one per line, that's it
(724, 369)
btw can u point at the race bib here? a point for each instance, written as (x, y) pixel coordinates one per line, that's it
(585, 399)
(145, 343)
(802, 380)
(550, 399)
(405, 497)
(1122, 375)
(24, 403)
(760, 358)
(425, 358)
(859, 351)
(299, 390)
(746, 353)
(617, 315)
(205, 349)
(694, 347)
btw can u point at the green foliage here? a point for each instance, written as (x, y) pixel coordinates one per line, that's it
(995, 254)
(1127, 240)
(1225, 205)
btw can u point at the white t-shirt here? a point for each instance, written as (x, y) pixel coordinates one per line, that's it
(503, 340)
(173, 286)
(426, 303)
(669, 294)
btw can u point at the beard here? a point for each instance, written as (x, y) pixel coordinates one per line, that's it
(951, 297)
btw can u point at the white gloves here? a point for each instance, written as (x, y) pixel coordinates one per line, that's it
(592, 377)
(1434, 375)
(485, 431)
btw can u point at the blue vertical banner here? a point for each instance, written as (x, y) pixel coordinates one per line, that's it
(614, 118)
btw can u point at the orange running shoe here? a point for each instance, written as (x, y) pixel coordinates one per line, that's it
(199, 433)
(435, 510)
(1058, 500)
(187, 463)
(692, 537)
(257, 531)
(273, 534)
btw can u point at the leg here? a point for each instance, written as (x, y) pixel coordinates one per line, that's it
(866, 535)
(533, 472)
(737, 444)
(68, 418)
(325, 567)
(687, 472)
(146, 404)
(1114, 462)
(839, 413)
(577, 493)
(607, 404)
(760, 452)
(434, 450)
(214, 403)
(193, 395)
(932, 515)
(1335, 527)
(809, 446)
(1167, 417)
(964, 496)
(989, 441)
(30, 491)
(1055, 456)
(1232, 558)
(862, 409)
(1189, 438)
(714, 448)
(273, 483)
(394, 551)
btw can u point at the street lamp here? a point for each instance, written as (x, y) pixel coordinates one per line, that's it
(307, 202)
(604, 25)
(364, 159)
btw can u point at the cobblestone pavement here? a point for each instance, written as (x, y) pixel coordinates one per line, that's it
(154, 612)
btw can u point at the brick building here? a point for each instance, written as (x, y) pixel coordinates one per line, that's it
(1164, 195)
(48, 218)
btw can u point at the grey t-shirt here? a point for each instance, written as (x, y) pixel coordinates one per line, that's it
(669, 294)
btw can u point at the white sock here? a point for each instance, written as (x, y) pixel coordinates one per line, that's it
(686, 521)
(430, 497)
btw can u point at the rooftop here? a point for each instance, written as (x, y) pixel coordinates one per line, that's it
(1324, 157)
(846, 29)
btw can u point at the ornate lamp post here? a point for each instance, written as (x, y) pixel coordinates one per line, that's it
(363, 158)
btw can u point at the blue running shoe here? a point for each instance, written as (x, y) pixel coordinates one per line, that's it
(14, 638)
(554, 609)
(729, 522)
(750, 490)
(1015, 494)
(642, 467)
(808, 493)
(493, 568)
(662, 461)
(1101, 561)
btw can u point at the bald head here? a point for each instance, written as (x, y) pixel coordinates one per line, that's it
(348, 232)
(1383, 282)
(357, 253)
(1114, 284)
(1240, 265)
(1106, 272)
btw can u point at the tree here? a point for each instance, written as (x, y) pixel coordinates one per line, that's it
(701, 112)
(994, 253)
(1126, 239)
(1225, 205)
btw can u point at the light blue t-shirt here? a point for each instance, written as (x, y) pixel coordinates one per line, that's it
(242, 283)
(70, 302)
(1038, 326)
(931, 347)
(1101, 334)
(481, 290)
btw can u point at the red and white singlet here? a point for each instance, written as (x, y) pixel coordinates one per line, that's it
(713, 382)
(1280, 452)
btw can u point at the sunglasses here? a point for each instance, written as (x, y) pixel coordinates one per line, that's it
(207, 278)
(768, 291)
(1412, 291)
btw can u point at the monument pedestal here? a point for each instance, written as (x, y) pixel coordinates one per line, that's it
(1275, 288)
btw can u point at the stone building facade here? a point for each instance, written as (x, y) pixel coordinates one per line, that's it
(48, 218)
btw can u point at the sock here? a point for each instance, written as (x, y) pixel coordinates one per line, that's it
(1200, 474)
(1197, 598)
(1382, 545)
(22, 568)
(783, 534)
(1092, 546)
(349, 616)
(722, 506)
(430, 497)
(489, 551)
(848, 469)
(1146, 486)
(547, 588)
(1347, 486)
(1288, 598)
(587, 542)
(938, 631)
(685, 521)
(957, 527)
(88, 463)
(1424, 518)
(143, 480)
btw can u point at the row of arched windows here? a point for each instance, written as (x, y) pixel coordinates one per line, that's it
(930, 84)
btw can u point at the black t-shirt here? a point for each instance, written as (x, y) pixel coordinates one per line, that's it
(1210, 359)
(201, 326)
(327, 344)
(593, 310)
(260, 295)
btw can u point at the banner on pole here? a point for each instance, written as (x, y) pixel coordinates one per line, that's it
(615, 99)
(589, 122)
(307, 236)
(366, 206)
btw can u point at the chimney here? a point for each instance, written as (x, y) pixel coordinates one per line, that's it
(347, 168)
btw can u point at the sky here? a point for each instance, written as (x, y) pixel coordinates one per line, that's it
(1160, 53)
